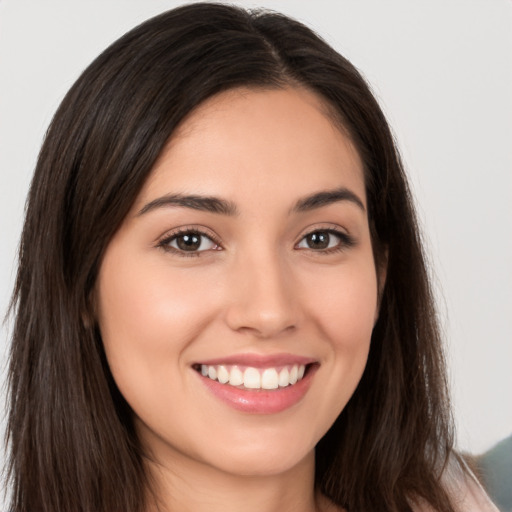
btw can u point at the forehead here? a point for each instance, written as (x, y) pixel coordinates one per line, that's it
(252, 139)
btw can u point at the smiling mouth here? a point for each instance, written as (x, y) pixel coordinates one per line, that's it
(251, 378)
(257, 384)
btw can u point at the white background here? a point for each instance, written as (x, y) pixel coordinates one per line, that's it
(442, 70)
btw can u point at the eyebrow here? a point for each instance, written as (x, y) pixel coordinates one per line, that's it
(195, 202)
(327, 197)
(213, 204)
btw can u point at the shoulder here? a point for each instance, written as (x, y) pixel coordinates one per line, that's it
(465, 490)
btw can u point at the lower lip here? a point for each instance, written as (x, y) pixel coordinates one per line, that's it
(260, 401)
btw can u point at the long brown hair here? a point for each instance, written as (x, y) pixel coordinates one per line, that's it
(70, 432)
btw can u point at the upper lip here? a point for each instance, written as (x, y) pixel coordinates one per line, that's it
(259, 361)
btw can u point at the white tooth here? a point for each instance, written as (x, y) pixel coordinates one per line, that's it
(236, 377)
(270, 379)
(302, 369)
(222, 374)
(212, 372)
(284, 377)
(294, 374)
(252, 379)
(204, 370)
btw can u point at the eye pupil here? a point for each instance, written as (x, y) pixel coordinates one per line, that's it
(190, 242)
(318, 240)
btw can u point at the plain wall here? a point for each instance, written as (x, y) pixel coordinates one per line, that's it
(442, 71)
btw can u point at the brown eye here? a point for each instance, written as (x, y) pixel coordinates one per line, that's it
(326, 241)
(190, 241)
(319, 240)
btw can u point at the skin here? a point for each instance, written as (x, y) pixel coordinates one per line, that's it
(258, 288)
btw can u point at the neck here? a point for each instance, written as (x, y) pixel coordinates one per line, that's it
(188, 485)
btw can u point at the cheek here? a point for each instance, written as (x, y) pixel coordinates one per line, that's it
(146, 320)
(345, 305)
(344, 309)
(138, 301)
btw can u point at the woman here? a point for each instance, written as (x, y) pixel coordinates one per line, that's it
(228, 306)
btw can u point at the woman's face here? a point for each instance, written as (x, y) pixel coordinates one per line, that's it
(244, 263)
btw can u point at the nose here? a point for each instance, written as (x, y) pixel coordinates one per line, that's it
(263, 298)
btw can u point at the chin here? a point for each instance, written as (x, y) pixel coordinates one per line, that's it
(264, 455)
(263, 464)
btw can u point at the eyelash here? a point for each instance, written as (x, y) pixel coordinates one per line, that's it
(164, 244)
(345, 241)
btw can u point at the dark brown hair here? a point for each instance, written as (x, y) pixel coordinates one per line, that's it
(70, 432)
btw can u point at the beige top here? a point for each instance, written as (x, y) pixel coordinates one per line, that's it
(467, 493)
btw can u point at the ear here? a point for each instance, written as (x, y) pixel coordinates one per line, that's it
(381, 268)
